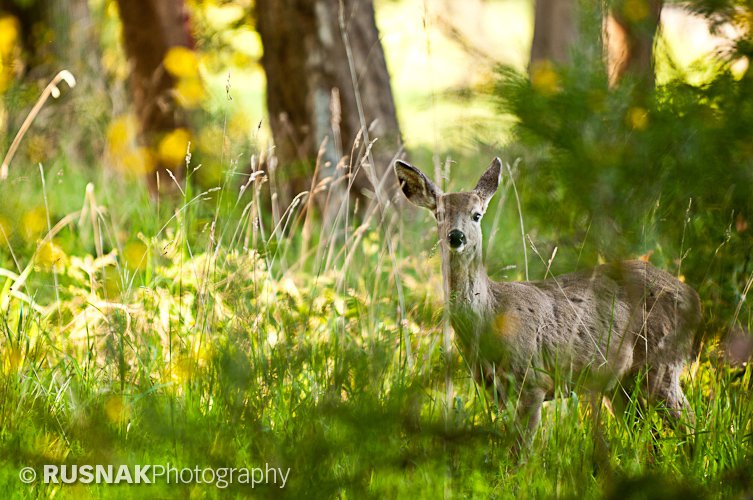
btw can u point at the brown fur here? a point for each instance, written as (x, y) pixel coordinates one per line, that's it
(596, 329)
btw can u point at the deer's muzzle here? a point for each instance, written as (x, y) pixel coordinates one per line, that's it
(456, 238)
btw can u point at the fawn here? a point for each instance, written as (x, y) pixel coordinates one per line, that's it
(601, 328)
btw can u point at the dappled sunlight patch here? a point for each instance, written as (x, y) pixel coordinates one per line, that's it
(6, 229)
(544, 77)
(12, 359)
(121, 133)
(33, 224)
(135, 255)
(8, 34)
(123, 150)
(637, 118)
(190, 92)
(182, 62)
(137, 161)
(50, 256)
(50, 447)
(173, 147)
(506, 325)
(117, 409)
(9, 38)
(635, 11)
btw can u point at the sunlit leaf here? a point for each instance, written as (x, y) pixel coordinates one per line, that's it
(544, 77)
(190, 92)
(182, 62)
(138, 161)
(8, 35)
(220, 17)
(6, 229)
(637, 118)
(117, 409)
(50, 256)
(120, 133)
(173, 146)
(635, 10)
(247, 42)
(33, 223)
(135, 254)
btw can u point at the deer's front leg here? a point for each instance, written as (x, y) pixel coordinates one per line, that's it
(528, 416)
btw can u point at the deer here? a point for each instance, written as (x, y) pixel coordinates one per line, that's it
(606, 328)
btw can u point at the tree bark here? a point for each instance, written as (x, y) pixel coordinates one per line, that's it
(56, 35)
(630, 31)
(150, 28)
(554, 31)
(311, 96)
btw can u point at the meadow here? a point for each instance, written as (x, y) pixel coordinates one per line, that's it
(217, 328)
(208, 334)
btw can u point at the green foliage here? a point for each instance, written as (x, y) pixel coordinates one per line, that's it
(207, 331)
(665, 171)
(196, 345)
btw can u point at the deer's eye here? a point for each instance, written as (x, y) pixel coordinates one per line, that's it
(476, 216)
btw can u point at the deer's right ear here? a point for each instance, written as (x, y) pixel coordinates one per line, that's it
(416, 186)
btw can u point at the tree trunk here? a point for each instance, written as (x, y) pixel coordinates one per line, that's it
(56, 35)
(150, 28)
(311, 96)
(630, 32)
(554, 31)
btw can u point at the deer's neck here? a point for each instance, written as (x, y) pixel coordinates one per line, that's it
(468, 284)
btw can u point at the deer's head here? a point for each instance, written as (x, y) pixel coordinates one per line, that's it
(458, 214)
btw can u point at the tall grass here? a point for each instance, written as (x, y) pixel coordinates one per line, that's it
(227, 328)
(228, 339)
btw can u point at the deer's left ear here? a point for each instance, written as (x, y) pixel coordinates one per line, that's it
(489, 182)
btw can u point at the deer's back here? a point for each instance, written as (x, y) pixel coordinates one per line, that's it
(615, 318)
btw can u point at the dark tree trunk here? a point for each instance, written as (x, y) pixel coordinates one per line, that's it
(306, 64)
(631, 29)
(34, 24)
(150, 28)
(554, 31)
(56, 35)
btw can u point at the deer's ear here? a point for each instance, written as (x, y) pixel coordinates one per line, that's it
(416, 186)
(489, 182)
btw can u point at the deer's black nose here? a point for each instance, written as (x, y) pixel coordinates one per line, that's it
(456, 238)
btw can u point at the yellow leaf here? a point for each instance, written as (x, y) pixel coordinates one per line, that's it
(210, 139)
(247, 42)
(210, 175)
(50, 256)
(8, 35)
(138, 161)
(135, 254)
(544, 77)
(635, 10)
(240, 125)
(14, 358)
(637, 118)
(173, 146)
(6, 229)
(221, 16)
(117, 409)
(190, 92)
(120, 133)
(33, 223)
(181, 62)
